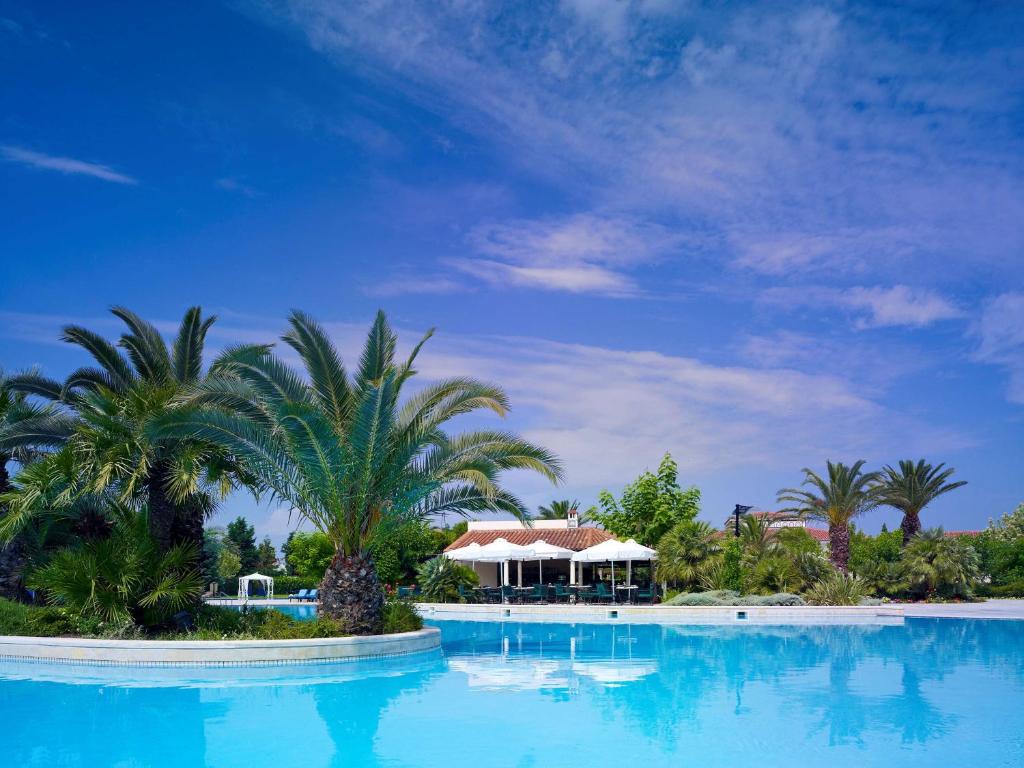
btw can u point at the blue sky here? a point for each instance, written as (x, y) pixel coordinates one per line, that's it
(757, 235)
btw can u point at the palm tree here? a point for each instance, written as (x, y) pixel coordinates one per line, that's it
(25, 429)
(132, 383)
(349, 455)
(936, 563)
(685, 551)
(757, 538)
(559, 510)
(846, 493)
(913, 487)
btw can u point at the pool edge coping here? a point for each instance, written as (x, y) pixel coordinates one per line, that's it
(165, 653)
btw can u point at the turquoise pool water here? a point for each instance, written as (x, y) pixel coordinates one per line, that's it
(932, 692)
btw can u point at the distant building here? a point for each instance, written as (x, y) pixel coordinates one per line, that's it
(560, 533)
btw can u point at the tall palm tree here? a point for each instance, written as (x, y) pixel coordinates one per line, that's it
(133, 382)
(349, 454)
(559, 510)
(913, 487)
(847, 492)
(25, 429)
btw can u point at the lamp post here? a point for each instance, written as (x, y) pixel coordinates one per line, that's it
(740, 510)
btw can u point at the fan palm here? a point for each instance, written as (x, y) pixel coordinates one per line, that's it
(911, 488)
(845, 493)
(349, 455)
(938, 564)
(685, 551)
(25, 429)
(133, 382)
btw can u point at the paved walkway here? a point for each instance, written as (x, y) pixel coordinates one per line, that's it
(990, 609)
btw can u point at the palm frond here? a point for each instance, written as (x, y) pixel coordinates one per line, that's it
(119, 373)
(326, 372)
(145, 346)
(187, 352)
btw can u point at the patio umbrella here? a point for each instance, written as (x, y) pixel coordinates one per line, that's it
(544, 551)
(612, 550)
(501, 551)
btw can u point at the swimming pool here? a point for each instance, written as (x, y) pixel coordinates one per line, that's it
(932, 692)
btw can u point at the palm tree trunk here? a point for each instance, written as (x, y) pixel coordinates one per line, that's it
(12, 554)
(351, 595)
(839, 545)
(172, 523)
(910, 525)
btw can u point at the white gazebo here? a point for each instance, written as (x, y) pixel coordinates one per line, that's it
(611, 551)
(244, 581)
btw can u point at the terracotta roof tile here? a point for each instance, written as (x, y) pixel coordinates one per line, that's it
(569, 538)
(962, 533)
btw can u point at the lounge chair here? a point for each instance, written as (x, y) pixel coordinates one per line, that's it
(313, 595)
(300, 595)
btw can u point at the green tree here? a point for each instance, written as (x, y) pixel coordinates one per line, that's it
(399, 552)
(229, 564)
(25, 429)
(241, 536)
(266, 556)
(348, 454)
(132, 383)
(685, 551)
(847, 492)
(911, 488)
(309, 554)
(649, 507)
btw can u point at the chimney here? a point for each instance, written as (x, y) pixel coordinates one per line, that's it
(572, 518)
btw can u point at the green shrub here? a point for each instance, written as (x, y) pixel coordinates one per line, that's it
(122, 579)
(1013, 589)
(724, 597)
(837, 589)
(439, 580)
(714, 597)
(48, 621)
(400, 617)
(286, 585)
(221, 623)
(779, 598)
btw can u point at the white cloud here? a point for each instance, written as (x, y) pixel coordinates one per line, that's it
(67, 165)
(872, 307)
(582, 253)
(1001, 334)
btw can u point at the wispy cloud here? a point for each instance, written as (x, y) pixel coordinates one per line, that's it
(875, 151)
(236, 185)
(1000, 331)
(582, 253)
(871, 307)
(67, 165)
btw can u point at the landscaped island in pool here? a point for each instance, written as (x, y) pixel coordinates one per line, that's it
(927, 692)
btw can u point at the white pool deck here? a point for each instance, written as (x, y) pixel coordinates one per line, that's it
(990, 609)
